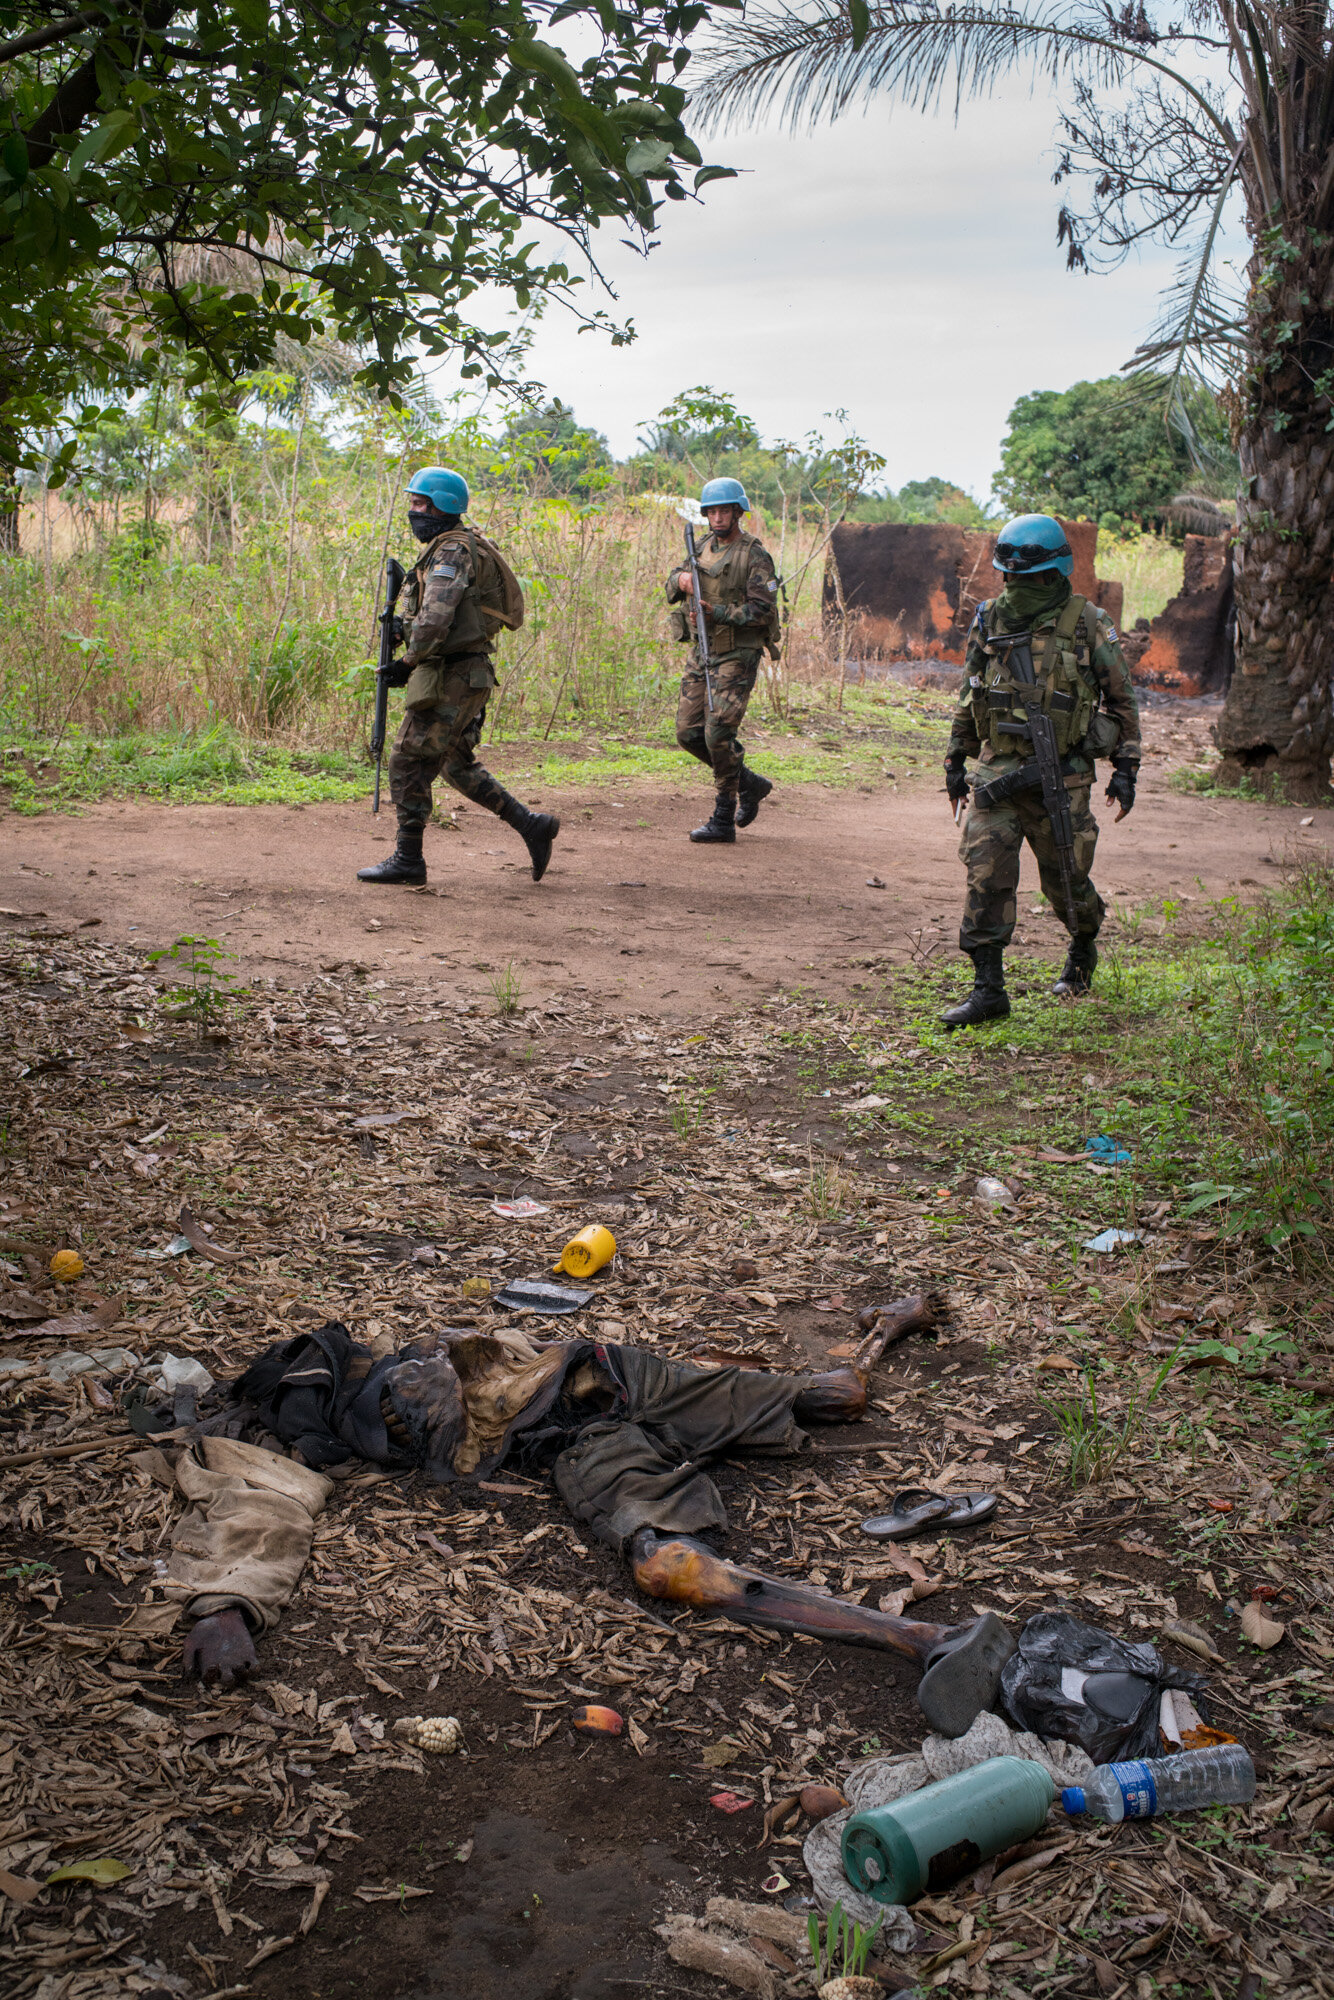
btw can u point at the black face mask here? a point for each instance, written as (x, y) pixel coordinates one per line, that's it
(426, 526)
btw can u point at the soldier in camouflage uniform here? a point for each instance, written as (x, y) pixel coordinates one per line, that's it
(739, 586)
(1086, 690)
(457, 598)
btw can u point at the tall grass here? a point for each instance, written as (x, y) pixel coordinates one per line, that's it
(234, 590)
(1149, 567)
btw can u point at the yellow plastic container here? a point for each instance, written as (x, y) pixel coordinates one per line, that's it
(587, 1252)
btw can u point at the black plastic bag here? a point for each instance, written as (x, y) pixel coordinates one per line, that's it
(1071, 1681)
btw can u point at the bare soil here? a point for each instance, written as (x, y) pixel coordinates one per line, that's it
(629, 908)
(536, 1867)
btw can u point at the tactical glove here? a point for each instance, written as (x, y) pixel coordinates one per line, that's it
(397, 674)
(397, 629)
(1121, 786)
(956, 779)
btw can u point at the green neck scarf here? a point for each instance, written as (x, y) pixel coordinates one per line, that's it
(1025, 599)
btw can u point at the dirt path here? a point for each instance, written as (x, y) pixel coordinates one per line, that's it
(628, 906)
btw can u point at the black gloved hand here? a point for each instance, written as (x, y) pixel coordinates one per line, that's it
(1121, 785)
(956, 777)
(397, 630)
(397, 674)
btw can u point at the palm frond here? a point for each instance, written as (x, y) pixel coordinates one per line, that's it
(1200, 330)
(808, 65)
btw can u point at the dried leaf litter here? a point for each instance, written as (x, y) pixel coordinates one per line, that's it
(694, 1152)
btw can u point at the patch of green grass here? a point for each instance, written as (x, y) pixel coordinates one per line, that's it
(1204, 785)
(218, 765)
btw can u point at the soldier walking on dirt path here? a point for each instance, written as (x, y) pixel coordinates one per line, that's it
(458, 597)
(739, 586)
(1083, 684)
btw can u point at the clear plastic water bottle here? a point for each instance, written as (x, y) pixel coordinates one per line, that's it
(1224, 1776)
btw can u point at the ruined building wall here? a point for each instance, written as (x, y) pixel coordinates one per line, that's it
(1187, 649)
(910, 591)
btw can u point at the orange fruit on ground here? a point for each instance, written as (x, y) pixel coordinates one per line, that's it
(67, 1265)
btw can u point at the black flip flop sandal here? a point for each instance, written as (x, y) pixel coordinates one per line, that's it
(918, 1508)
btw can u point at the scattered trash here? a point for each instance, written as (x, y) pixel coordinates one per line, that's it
(1112, 1239)
(178, 1247)
(522, 1210)
(375, 1121)
(730, 1802)
(587, 1252)
(1261, 1631)
(1070, 1680)
(595, 1721)
(182, 1371)
(875, 882)
(1141, 1790)
(476, 1288)
(917, 1507)
(66, 1266)
(994, 1193)
(893, 1853)
(774, 1885)
(103, 1872)
(1182, 1727)
(440, 1735)
(1107, 1151)
(533, 1295)
(101, 1361)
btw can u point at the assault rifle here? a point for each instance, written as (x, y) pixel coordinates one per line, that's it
(702, 646)
(393, 583)
(1038, 727)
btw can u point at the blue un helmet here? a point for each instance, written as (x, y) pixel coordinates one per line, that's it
(447, 491)
(724, 493)
(1032, 542)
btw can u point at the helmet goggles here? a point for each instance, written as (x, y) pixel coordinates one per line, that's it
(1016, 557)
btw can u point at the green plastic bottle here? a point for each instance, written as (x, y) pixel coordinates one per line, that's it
(898, 1852)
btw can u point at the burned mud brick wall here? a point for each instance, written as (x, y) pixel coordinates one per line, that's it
(1187, 649)
(909, 591)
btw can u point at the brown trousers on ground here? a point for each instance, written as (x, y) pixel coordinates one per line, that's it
(246, 1537)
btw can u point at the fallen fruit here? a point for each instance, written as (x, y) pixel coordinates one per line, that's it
(818, 1801)
(66, 1266)
(730, 1802)
(598, 1721)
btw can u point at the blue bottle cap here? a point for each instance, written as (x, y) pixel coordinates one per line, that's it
(1072, 1799)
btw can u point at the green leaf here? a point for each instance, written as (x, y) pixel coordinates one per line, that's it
(859, 14)
(707, 174)
(112, 136)
(14, 154)
(648, 156)
(104, 1871)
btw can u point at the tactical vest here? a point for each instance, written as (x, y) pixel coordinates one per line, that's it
(1066, 683)
(723, 574)
(492, 600)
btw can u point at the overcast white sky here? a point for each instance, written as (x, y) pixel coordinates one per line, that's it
(896, 266)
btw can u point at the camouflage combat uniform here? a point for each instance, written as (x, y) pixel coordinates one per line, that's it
(740, 583)
(1089, 696)
(449, 645)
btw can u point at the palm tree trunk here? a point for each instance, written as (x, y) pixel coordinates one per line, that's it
(1277, 727)
(1277, 722)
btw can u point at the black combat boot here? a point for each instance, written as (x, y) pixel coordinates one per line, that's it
(537, 831)
(1080, 961)
(988, 1000)
(405, 864)
(721, 826)
(754, 791)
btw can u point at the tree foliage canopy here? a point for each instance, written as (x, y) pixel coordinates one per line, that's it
(220, 176)
(1098, 449)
